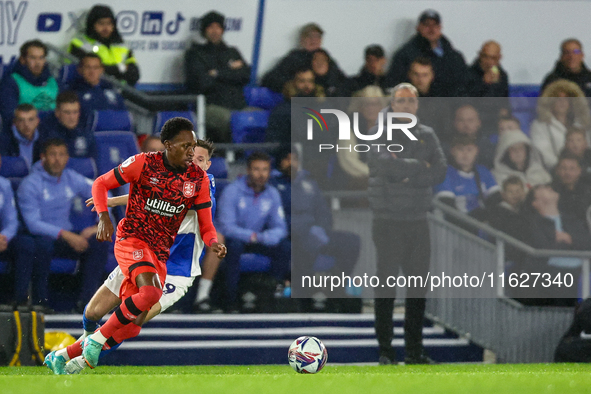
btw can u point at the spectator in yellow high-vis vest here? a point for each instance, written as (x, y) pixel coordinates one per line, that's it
(103, 39)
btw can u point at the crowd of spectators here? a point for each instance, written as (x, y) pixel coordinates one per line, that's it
(532, 181)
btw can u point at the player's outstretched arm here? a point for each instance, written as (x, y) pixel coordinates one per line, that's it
(208, 232)
(111, 201)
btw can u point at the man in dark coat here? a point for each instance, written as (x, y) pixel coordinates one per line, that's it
(400, 194)
(372, 72)
(448, 64)
(219, 72)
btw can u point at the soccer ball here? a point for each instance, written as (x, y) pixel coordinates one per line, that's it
(307, 355)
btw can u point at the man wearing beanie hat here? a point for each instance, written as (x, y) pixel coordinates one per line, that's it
(219, 72)
(103, 38)
(448, 64)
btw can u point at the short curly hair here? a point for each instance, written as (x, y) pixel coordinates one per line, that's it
(173, 127)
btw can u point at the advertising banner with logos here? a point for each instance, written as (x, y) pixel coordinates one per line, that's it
(157, 31)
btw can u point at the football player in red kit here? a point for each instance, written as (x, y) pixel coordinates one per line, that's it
(164, 185)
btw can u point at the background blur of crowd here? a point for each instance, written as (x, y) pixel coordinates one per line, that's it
(527, 173)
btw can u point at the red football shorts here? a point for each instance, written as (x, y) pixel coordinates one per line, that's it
(135, 257)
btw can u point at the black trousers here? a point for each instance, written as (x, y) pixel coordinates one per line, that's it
(401, 246)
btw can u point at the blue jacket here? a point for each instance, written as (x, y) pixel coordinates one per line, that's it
(96, 98)
(45, 201)
(242, 212)
(8, 215)
(81, 141)
(9, 90)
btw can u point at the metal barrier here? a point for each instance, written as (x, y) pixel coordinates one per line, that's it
(514, 332)
(142, 105)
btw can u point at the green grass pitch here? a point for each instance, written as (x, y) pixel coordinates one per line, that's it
(480, 379)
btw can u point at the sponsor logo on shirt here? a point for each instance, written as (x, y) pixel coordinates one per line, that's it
(163, 208)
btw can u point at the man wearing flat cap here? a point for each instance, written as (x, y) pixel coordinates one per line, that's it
(448, 63)
(219, 72)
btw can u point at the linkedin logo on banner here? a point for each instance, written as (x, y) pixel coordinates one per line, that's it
(151, 23)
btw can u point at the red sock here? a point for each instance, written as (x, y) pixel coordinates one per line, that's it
(131, 330)
(130, 308)
(75, 349)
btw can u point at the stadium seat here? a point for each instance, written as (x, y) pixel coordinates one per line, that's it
(218, 168)
(4, 267)
(111, 260)
(43, 114)
(524, 90)
(163, 116)
(83, 165)
(113, 148)
(68, 73)
(63, 266)
(220, 185)
(111, 120)
(81, 216)
(13, 167)
(6, 68)
(249, 127)
(262, 97)
(251, 262)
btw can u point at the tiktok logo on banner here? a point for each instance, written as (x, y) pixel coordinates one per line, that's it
(152, 23)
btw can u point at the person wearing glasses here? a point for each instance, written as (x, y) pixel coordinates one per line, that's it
(570, 66)
(400, 194)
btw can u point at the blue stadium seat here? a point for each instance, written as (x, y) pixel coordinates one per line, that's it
(111, 120)
(111, 260)
(83, 165)
(113, 148)
(68, 73)
(524, 90)
(6, 68)
(249, 126)
(251, 262)
(63, 266)
(262, 97)
(14, 167)
(220, 185)
(218, 168)
(163, 116)
(43, 114)
(81, 216)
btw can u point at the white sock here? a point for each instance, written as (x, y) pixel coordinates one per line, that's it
(64, 353)
(204, 289)
(98, 337)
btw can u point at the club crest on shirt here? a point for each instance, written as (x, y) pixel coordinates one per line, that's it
(138, 254)
(188, 189)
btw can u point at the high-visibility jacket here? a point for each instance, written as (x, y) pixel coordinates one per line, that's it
(117, 58)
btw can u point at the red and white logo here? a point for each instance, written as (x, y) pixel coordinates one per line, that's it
(189, 189)
(138, 254)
